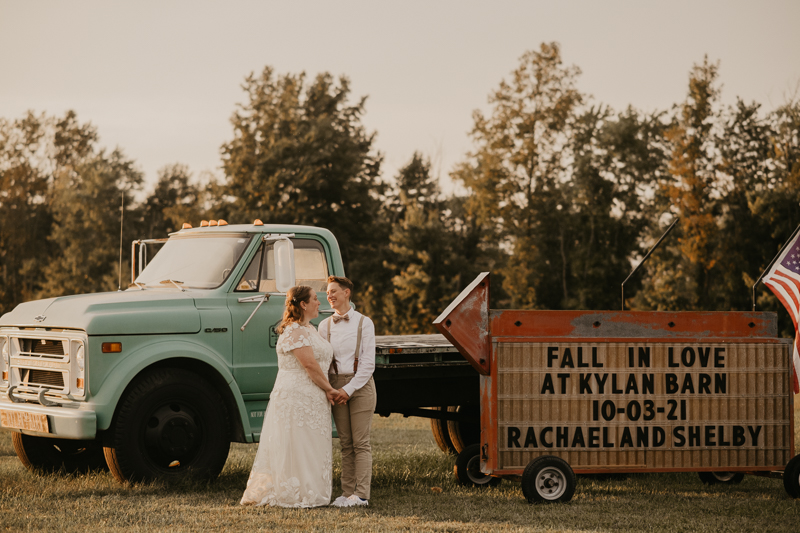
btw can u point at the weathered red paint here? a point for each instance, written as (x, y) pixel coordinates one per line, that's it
(465, 323)
(749, 326)
(477, 332)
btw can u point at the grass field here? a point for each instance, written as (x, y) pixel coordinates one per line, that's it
(407, 465)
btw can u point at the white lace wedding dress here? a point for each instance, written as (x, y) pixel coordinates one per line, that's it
(293, 463)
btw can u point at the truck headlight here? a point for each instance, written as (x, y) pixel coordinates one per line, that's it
(80, 359)
(4, 364)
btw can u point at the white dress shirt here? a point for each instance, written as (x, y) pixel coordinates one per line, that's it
(344, 335)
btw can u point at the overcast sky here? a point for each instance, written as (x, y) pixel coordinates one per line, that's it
(160, 79)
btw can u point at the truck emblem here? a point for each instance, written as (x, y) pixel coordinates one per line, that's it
(216, 330)
(39, 318)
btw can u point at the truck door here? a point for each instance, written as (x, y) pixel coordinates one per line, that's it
(255, 363)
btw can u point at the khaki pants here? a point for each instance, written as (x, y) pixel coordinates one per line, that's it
(353, 423)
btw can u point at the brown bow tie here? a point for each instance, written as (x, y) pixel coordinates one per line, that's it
(337, 318)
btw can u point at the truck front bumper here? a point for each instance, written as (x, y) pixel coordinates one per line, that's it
(61, 422)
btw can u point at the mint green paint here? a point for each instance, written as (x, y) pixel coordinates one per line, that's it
(163, 324)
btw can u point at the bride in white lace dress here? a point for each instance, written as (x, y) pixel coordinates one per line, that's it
(293, 463)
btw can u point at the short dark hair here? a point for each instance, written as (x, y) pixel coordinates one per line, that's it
(343, 283)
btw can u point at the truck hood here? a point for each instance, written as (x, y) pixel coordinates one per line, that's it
(111, 313)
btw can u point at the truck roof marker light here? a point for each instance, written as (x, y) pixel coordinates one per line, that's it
(212, 222)
(186, 225)
(204, 223)
(257, 222)
(221, 222)
(112, 347)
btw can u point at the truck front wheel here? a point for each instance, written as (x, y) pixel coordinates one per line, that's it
(40, 454)
(171, 425)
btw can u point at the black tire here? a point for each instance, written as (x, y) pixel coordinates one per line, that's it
(548, 479)
(442, 436)
(725, 478)
(791, 477)
(464, 434)
(468, 469)
(49, 456)
(171, 425)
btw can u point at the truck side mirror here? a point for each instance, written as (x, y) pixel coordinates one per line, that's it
(284, 265)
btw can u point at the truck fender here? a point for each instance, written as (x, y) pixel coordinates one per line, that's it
(170, 352)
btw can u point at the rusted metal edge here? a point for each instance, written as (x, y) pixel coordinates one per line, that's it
(465, 323)
(736, 325)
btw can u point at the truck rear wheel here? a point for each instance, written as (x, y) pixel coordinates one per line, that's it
(727, 478)
(463, 434)
(791, 477)
(171, 425)
(41, 454)
(442, 435)
(548, 479)
(468, 469)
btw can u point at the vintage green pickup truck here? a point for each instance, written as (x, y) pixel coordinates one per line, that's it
(155, 381)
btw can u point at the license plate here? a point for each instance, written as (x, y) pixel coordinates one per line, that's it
(23, 420)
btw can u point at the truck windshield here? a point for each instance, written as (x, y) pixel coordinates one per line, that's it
(199, 261)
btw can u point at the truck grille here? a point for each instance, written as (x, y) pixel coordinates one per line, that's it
(47, 378)
(41, 359)
(42, 348)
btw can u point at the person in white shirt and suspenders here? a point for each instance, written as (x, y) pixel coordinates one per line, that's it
(352, 336)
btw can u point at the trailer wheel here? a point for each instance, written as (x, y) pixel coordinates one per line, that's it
(548, 479)
(726, 478)
(171, 425)
(791, 477)
(41, 454)
(468, 469)
(463, 434)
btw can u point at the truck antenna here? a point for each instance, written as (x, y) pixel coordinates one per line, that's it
(773, 262)
(645, 258)
(121, 215)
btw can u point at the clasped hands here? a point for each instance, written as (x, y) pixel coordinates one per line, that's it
(337, 396)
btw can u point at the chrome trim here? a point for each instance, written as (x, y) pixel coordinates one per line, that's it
(12, 397)
(44, 401)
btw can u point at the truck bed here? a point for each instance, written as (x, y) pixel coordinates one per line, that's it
(414, 372)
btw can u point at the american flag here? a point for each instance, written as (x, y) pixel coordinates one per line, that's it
(783, 279)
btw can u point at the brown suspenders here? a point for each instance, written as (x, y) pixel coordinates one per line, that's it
(358, 341)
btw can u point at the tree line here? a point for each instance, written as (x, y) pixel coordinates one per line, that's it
(563, 196)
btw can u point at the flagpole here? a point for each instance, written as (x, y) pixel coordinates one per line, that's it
(773, 262)
(645, 258)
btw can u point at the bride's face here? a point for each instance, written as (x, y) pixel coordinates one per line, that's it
(311, 310)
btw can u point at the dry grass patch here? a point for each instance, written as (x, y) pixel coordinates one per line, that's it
(407, 465)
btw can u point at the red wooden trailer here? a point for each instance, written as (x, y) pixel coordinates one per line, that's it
(601, 392)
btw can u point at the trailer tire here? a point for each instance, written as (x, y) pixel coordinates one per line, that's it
(50, 456)
(463, 434)
(725, 478)
(548, 479)
(791, 477)
(171, 425)
(441, 435)
(468, 469)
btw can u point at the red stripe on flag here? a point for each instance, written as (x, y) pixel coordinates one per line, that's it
(782, 289)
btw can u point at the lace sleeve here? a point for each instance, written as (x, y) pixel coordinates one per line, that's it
(294, 337)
